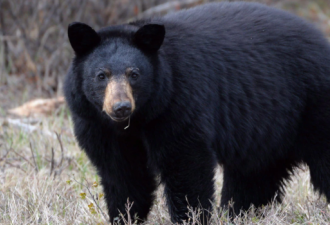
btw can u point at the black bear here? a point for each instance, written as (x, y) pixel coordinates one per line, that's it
(242, 85)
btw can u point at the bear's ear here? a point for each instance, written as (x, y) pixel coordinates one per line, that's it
(82, 37)
(150, 37)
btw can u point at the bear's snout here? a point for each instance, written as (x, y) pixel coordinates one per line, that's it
(122, 109)
(118, 102)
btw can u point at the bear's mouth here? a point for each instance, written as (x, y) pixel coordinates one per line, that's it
(118, 119)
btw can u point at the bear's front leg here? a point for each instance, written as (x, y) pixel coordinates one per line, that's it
(187, 172)
(121, 162)
(129, 179)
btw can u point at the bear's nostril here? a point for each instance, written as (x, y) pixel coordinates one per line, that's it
(122, 109)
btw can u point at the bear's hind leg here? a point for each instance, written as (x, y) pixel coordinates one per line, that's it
(320, 174)
(257, 188)
(316, 150)
(313, 143)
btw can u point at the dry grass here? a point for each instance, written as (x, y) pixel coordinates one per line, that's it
(47, 179)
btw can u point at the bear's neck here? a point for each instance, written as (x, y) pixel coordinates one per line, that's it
(158, 102)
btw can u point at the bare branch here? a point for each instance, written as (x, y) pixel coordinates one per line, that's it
(52, 163)
(34, 160)
(18, 167)
(28, 161)
(62, 149)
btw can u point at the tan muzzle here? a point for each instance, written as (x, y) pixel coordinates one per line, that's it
(118, 102)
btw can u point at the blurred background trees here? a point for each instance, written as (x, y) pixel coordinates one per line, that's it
(34, 49)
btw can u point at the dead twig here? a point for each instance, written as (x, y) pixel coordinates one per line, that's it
(23, 158)
(59, 170)
(9, 163)
(62, 149)
(52, 163)
(34, 160)
(128, 207)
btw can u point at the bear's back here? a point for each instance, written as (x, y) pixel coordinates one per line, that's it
(241, 35)
(243, 15)
(251, 62)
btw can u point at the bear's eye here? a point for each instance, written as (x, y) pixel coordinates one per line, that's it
(101, 76)
(134, 75)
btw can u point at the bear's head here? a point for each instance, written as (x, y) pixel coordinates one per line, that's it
(116, 65)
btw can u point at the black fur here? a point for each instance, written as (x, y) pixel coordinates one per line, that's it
(150, 37)
(239, 84)
(82, 37)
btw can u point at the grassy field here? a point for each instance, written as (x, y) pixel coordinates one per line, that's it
(46, 179)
